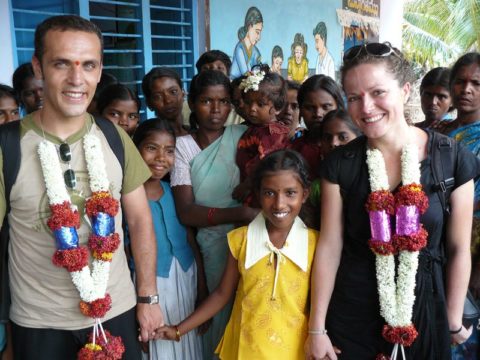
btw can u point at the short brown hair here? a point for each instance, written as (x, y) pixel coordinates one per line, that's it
(63, 23)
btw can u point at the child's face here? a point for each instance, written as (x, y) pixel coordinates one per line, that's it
(335, 133)
(277, 63)
(123, 113)
(291, 113)
(281, 198)
(258, 108)
(216, 65)
(158, 152)
(298, 54)
(166, 98)
(315, 106)
(436, 102)
(8, 110)
(32, 94)
(212, 107)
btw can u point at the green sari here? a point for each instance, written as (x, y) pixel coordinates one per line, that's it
(214, 176)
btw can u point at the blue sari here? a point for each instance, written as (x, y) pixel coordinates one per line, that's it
(469, 137)
(214, 175)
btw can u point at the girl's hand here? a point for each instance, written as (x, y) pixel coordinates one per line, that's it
(167, 332)
(462, 336)
(202, 294)
(319, 347)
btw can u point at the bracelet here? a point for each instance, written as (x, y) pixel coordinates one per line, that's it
(177, 333)
(318, 332)
(453, 332)
(211, 212)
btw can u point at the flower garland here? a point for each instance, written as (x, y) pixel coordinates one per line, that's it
(396, 298)
(252, 81)
(101, 207)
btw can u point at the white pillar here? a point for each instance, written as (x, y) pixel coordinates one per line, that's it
(391, 21)
(6, 47)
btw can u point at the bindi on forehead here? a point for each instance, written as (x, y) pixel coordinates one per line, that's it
(77, 63)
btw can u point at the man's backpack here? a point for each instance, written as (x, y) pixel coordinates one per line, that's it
(10, 145)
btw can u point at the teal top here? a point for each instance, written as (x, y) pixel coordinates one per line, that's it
(171, 235)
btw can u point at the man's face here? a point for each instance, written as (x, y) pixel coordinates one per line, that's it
(71, 68)
(319, 44)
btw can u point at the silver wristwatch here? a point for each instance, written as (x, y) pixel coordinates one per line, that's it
(149, 299)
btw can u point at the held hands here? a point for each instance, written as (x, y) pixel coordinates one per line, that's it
(319, 347)
(167, 332)
(150, 318)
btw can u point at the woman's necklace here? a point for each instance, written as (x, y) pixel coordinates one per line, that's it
(64, 221)
(396, 298)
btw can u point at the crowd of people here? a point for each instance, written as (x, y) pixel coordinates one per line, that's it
(258, 217)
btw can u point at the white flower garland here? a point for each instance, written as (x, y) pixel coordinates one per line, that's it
(90, 285)
(396, 299)
(252, 81)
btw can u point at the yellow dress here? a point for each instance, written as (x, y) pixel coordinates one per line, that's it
(259, 327)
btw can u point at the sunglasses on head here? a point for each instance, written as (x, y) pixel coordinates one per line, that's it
(69, 175)
(373, 49)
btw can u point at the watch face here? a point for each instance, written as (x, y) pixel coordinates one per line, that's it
(151, 299)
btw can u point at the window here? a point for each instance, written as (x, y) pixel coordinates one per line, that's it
(138, 34)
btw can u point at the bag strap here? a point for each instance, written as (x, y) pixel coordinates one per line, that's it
(10, 139)
(444, 156)
(113, 139)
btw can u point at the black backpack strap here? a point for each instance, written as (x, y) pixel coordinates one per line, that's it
(350, 164)
(9, 139)
(113, 138)
(444, 156)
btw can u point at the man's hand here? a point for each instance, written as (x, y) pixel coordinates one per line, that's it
(150, 318)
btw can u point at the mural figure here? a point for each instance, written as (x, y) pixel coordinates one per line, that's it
(277, 60)
(298, 63)
(325, 64)
(246, 54)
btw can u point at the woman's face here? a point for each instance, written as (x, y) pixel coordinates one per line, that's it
(466, 89)
(166, 98)
(436, 102)
(212, 107)
(298, 54)
(315, 106)
(375, 99)
(254, 32)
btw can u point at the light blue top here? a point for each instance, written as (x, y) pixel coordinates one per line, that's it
(171, 235)
(242, 62)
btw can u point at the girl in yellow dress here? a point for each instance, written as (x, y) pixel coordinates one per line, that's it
(269, 268)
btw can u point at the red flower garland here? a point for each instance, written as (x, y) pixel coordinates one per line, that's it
(381, 200)
(101, 245)
(97, 308)
(101, 202)
(72, 259)
(412, 194)
(112, 350)
(404, 335)
(63, 216)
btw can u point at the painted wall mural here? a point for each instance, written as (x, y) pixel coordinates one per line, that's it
(297, 38)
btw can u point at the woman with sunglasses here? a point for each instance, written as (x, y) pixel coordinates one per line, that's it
(355, 293)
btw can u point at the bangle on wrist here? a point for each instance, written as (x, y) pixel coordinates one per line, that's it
(453, 332)
(177, 333)
(317, 331)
